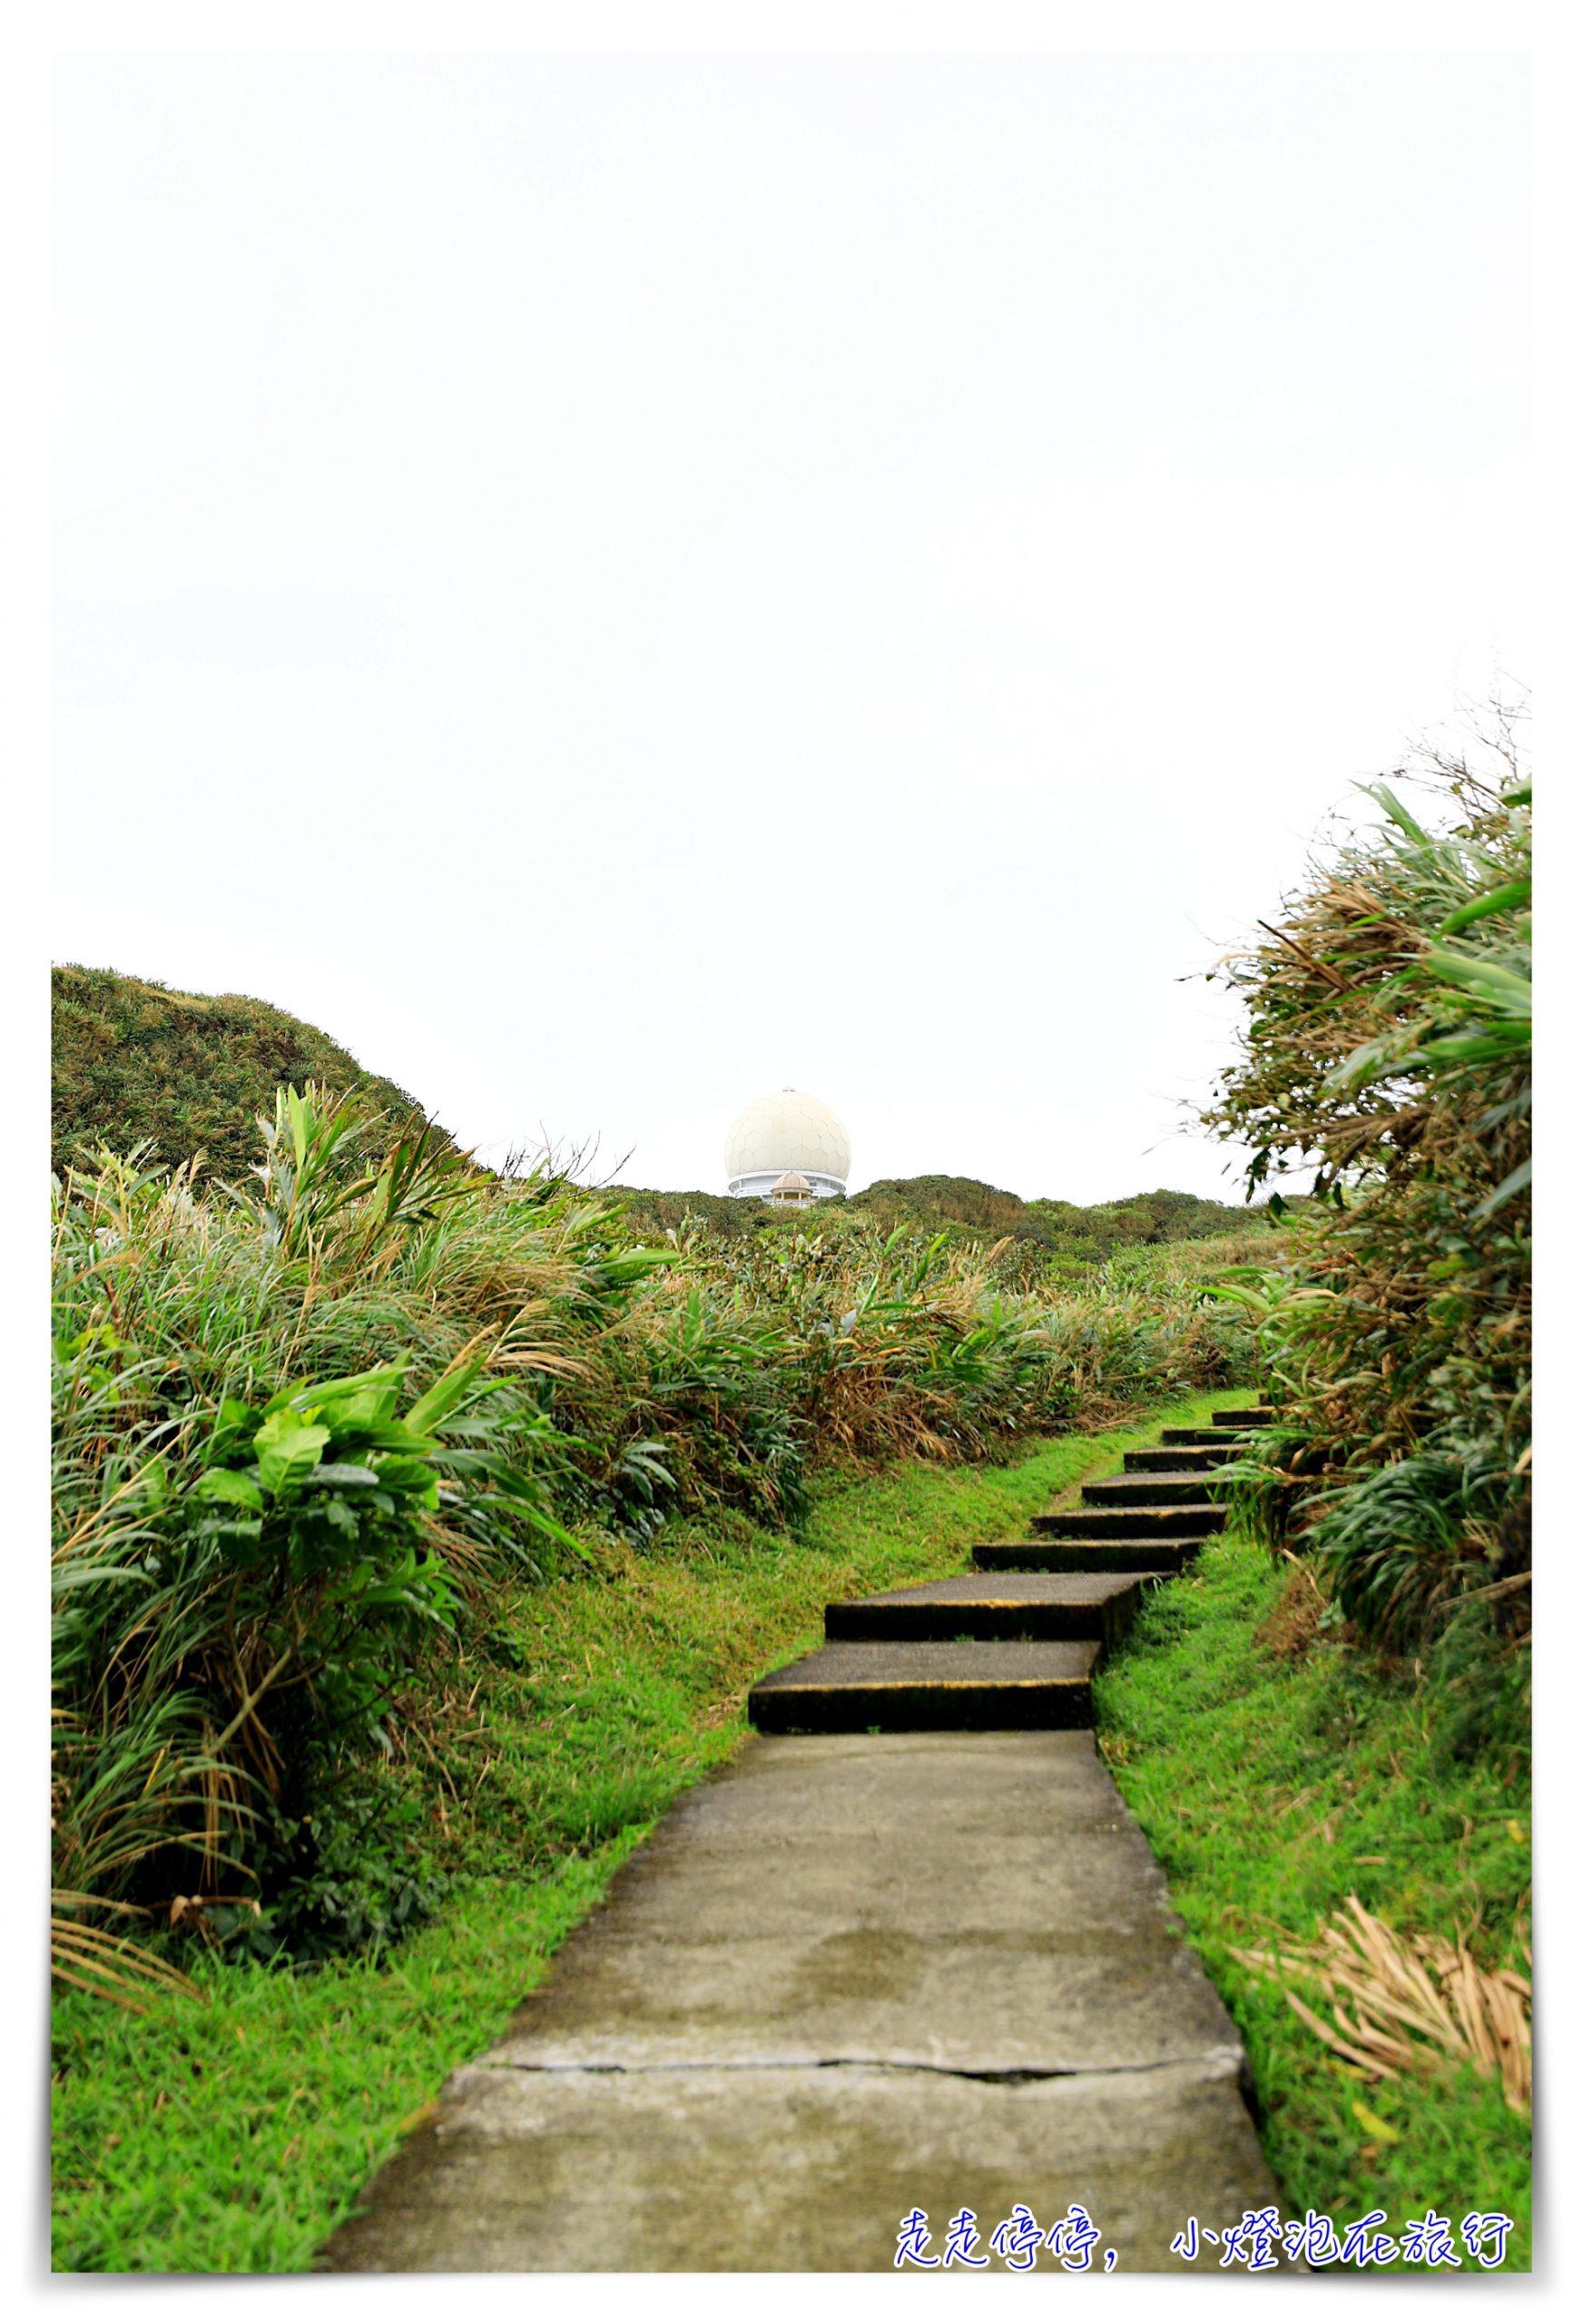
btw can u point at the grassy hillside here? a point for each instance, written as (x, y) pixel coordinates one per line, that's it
(228, 2129)
(1065, 1229)
(1278, 1768)
(309, 1422)
(131, 1059)
(967, 1211)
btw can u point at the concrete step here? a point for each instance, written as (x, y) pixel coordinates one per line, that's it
(1031, 1605)
(1179, 1485)
(903, 1686)
(1130, 1520)
(845, 1977)
(1229, 1440)
(1161, 1554)
(1176, 1459)
(1260, 1416)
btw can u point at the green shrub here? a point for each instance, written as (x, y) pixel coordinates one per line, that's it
(1389, 1044)
(305, 1427)
(132, 1062)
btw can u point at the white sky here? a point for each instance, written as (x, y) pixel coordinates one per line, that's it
(614, 584)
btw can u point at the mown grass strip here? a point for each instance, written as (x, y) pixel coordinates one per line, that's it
(228, 2135)
(1275, 1772)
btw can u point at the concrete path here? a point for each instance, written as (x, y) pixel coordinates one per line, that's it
(852, 1977)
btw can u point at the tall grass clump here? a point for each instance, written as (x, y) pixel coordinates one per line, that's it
(280, 1461)
(1388, 1046)
(305, 1425)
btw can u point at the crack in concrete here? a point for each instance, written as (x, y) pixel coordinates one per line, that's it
(1226, 2061)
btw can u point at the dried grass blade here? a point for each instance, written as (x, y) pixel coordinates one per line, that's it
(1435, 2029)
(1326, 2034)
(1374, 2039)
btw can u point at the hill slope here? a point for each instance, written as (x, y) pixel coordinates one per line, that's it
(1070, 1228)
(132, 1058)
(967, 1211)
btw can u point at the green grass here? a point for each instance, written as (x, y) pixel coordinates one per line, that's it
(231, 2135)
(1273, 1785)
(131, 1059)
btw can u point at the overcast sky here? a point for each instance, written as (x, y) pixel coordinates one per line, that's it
(614, 586)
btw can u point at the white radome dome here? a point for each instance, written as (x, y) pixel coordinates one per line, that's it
(788, 1132)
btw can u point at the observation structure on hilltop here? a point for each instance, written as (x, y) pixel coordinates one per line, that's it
(788, 1150)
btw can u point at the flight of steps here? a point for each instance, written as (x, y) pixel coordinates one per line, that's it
(1015, 1644)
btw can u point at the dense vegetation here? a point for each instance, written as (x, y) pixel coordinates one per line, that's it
(1039, 1240)
(304, 1432)
(134, 1062)
(1064, 1229)
(131, 1061)
(1389, 1046)
(1278, 1771)
(228, 2129)
(417, 1530)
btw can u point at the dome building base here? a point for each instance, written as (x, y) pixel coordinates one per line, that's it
(761, 1183)
(788, 1150)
